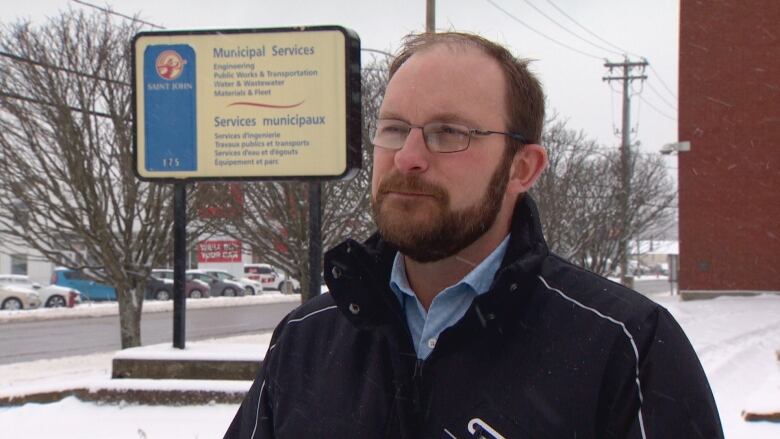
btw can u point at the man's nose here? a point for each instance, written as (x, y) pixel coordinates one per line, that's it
(413, 157)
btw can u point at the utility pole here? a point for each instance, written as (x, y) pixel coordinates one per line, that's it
(430, 16)
(625, 70)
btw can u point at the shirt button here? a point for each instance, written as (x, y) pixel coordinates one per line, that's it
(431, 343)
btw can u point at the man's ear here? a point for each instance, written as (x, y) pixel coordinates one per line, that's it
(527, 165)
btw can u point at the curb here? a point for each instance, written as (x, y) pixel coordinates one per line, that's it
(133, 396)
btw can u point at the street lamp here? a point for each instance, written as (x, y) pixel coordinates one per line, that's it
(670, 148)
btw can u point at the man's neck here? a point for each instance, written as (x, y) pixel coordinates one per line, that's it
(429, 279)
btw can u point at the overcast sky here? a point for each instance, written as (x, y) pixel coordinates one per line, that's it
(572, 76)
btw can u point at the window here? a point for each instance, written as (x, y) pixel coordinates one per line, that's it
(192, 259)
(76, 275)
(163, 274)
(18, 264)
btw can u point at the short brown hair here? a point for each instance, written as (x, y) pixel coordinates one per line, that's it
(525, 98)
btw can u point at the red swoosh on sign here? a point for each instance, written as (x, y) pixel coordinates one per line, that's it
(260, 104)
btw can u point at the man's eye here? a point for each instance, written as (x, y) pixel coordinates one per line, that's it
(393, 129)
(451, 130)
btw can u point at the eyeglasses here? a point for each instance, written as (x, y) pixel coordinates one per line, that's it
(439, 136)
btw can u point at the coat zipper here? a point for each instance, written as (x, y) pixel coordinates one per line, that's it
(417, 392)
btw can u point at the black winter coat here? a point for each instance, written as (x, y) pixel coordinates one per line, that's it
(551, 351)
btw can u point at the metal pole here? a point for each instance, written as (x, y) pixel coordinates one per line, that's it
(430, 16)
(625, 179)
(674, 264)
(315, 238)
(179, 262)
(625, 162)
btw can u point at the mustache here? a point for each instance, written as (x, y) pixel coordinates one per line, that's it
(396, 182)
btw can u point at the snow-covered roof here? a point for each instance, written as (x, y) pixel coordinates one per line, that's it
(655, 247)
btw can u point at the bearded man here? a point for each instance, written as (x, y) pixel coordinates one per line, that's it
(454, 320)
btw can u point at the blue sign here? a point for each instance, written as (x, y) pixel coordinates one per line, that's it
(169, 108)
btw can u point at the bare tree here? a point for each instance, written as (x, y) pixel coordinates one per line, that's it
(67, 187)
(274, 216)
(578, 197)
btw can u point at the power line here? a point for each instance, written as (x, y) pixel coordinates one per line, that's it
(112, 12)
(127, 17)
(622, 51)
(612, 92)
(590, 55)
(543, 14)
(636, 121)
(64, 69)
(381, 52)
(658, 75)
(657, 110)
(669, 104)
(50, 104)
(627, 52)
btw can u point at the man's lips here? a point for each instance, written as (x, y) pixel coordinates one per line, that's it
(405, 194)
(408, 196)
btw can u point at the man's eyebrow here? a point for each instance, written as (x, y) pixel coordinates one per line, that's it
(438, 117)
(391, 115)
(450, 117)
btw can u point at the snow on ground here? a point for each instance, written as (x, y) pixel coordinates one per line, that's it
(94, 371)
(72, 419)
(736, 339)
(99, 309)
(196, 350)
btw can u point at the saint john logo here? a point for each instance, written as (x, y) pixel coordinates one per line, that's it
(169, 108)
(169, 64)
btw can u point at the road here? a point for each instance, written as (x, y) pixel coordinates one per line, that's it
(26, 341)
(651, 287)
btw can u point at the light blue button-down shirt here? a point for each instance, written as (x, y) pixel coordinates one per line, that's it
(448, 306)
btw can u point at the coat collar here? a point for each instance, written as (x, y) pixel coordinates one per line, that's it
(358, 275)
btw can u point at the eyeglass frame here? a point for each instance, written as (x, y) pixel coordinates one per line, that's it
(472, 132)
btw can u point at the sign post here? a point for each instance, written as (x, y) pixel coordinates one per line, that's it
(179, 263)
(255, 104)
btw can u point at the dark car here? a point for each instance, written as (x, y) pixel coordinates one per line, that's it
(193, 288)
(158, 289)
(219, 287)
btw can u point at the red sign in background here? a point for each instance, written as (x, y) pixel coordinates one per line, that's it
(219, 251)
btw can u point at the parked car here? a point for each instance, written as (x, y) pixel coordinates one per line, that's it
(271, 278)
(51, 296)
(193, 288)
(14, 297)
(158, 289)
(250, 285)
(89, 289)
(219, 287)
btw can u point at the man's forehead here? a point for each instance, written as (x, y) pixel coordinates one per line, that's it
(447, 78)
(453, 51)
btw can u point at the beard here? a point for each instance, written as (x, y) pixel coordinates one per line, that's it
(431, 234)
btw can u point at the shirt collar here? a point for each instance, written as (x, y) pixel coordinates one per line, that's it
(478, 279)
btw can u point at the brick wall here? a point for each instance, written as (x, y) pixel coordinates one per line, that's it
(729, 109)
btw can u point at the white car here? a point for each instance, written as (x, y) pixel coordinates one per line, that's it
(250, 285)
(272, 278)
(51, 296)
(15, 297)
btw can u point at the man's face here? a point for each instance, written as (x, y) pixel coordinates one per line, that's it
(432, 205)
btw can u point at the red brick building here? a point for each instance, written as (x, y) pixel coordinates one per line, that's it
(729, 109)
